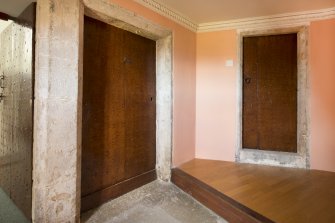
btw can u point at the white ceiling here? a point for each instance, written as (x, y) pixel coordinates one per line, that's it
(203, 11)
(14, 7)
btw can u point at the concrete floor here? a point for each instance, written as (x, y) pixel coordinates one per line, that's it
(156, 202)
(9, 213)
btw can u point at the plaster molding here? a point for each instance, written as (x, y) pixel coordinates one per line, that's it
(169, 13)
(287, 19)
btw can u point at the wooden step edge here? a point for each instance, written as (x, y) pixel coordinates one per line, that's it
(218, 202)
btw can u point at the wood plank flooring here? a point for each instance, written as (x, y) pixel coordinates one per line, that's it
(266, 193)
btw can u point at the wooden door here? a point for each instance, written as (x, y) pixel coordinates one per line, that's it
(119, 112)
(270, 93)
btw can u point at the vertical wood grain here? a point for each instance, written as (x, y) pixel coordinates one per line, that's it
(270, 97)
(119, 107)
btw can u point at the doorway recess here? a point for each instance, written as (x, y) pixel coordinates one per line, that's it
(288, 157)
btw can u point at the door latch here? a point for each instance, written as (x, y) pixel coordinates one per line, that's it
(247, 80)
(2, 86)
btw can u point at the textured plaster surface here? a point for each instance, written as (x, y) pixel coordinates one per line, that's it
(155, 202)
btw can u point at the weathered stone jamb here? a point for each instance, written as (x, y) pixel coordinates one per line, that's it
(164, 108)
(301, 159)
(79, 109)
(57, 111)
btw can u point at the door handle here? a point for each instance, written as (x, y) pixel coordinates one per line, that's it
(247, 80)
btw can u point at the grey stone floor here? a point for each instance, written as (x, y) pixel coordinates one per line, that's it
(156, 202)
(9, 213)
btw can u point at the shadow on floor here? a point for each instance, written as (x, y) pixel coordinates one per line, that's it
(155, 202)
(9, 213)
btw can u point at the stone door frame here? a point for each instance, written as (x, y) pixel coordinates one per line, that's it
(58, 100)
(301, 159)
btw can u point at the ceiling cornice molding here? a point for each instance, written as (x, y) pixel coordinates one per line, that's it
(169, 13)
(287, 19)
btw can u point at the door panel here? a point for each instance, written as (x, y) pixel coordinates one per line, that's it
(119, 110)
(250, 102)
(270, 97)
(140, 90)
(103, 111)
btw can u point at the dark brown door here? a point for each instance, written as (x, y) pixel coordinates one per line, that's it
(270, 93)
(119, 112)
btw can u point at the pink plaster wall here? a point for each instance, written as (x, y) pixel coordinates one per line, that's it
(216, 96)
(184, 77)
(322, 64)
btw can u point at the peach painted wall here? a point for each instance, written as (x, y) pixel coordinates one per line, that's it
(322, 66)
(184, 77)
(216, 96)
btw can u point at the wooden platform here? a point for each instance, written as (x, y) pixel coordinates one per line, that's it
(255, 193)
